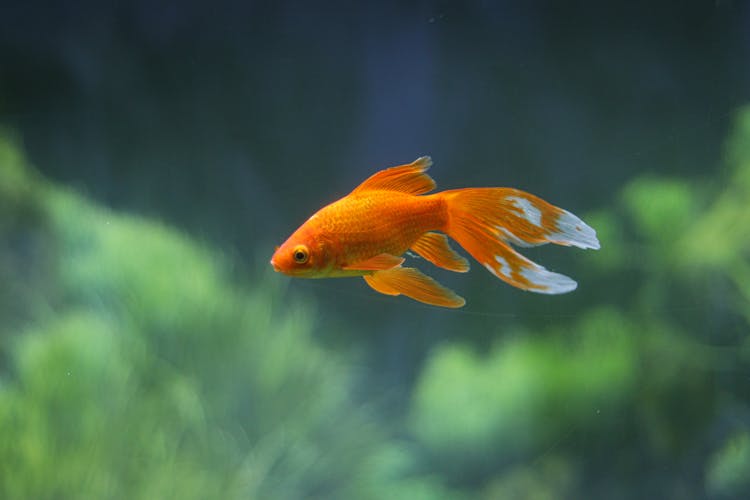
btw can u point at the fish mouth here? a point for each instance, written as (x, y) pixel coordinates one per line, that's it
(275, 267)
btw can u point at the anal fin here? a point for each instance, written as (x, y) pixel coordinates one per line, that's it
(435, 248)
(412, 283)
(380, 285)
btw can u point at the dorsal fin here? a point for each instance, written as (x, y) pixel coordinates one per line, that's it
(409, 178)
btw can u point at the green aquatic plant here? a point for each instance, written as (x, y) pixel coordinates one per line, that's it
(727, 474)
(138, 365)
(136, 362)
(632, 378)
(525, 393)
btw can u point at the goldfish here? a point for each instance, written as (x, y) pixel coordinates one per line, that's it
(367, 232)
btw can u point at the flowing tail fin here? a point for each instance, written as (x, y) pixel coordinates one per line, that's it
(485, 220)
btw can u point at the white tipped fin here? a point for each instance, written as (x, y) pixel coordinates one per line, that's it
(486, 221)
(545, 281)
(526, 220)
(514, 268)
(525, 208)
(572, 231)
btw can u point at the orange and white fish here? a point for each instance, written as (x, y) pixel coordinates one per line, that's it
(366, 233)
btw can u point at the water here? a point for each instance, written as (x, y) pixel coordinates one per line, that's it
(152, 156)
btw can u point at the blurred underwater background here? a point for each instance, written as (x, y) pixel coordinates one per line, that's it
(153, 153)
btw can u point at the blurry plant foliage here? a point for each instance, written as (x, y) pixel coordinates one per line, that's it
(136, 363)
(134, 366)
(632, 381)
(727, 474)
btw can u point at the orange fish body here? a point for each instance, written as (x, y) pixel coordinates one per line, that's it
(366, 233)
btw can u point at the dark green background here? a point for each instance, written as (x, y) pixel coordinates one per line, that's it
(153, 153)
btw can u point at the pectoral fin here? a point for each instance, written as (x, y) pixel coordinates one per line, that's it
(412, 283)
(378, 263)
(435, 248)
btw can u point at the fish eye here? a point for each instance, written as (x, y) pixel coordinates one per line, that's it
(300, 254)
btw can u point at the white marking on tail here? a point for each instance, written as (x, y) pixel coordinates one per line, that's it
(504, 267)
(528, 210)
(573, 231)
(512, 238)
(553, 283)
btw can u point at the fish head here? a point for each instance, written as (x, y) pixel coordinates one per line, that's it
(302, 256)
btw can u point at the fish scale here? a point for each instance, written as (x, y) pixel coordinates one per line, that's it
(381, 222)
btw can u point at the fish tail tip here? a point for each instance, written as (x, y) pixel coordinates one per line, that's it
(573, 231)
(550, 283)
(424, 161)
